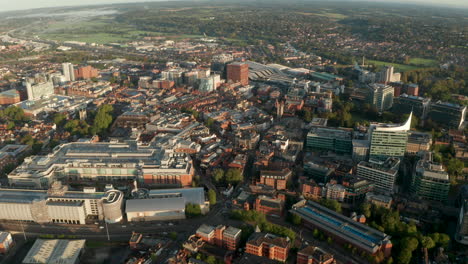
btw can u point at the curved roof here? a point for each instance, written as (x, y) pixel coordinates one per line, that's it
(394, 127)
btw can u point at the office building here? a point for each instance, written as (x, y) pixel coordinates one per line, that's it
(387, 75)
(380, 96)
(117, 163)
(314, 255)
(338, 140)
(9, 97)
(382, 173)
(405, 104)
(238, 72)
(418, 141)
(360, 149)
(342, 229)
(59, 205)
(277, 179)
(221, 236)
(356, 189)
(6, 242)
(319, 173)
(39, 90)
(389, 140)
(209, 84)
(461, 234)
(430, 180)
(55, 251)
(450, 115)
(269, 246)
(68, 71)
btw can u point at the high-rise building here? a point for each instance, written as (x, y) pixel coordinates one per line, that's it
(86, 72)
(381, 96)
(238, 72)
(389, 140)
(68, 71)
(382, 173)
(451, 115)
(430, 180)
(38, 90)
(405, 104)
(387, 75)
(209, 84)
(461, 234)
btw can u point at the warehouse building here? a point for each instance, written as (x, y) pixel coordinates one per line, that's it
(55, 251)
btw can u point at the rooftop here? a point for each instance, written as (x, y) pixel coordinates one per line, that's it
(55, 251)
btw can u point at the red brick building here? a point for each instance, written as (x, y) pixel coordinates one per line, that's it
(314, 255)
(238, 72)
(221, 236)
(9, 97)
(311, 190)
(268, 245)
(277, 179)
(269, 206)
(86, 72)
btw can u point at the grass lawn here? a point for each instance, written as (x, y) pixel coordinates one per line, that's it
(398, 67)
(423, 62)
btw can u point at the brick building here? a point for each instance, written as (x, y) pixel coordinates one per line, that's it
(9, 97)
(86, 72)
(221, 236)
(275, 179)
(314, 255)
(269, 206)
(238, 72)
(268, 245)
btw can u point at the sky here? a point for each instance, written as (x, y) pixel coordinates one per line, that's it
(7, 5)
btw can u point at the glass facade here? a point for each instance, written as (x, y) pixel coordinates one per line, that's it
(385, 144)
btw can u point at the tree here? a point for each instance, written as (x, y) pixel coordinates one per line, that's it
(59, 119)
(455, 167)
(331, 204)
(427, 242)
(234, 176)
(212, 197)
(210, 260)
(192, 210)
(404, 257)
(10, 125)
(366, 209)
(296, 220)
(218, 175)
(173, 235)
(103, 119)
(409, 243)
(329, 240)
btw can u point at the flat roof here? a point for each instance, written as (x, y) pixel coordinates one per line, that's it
(157, 204)
(359, 234)
(191, 195)
(55, 251)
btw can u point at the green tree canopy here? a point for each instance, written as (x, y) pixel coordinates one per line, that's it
(212, 197)
(234, 176)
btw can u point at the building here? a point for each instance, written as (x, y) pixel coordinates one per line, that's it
(382, 173)
(68, 71)
(360, 149)
(59, 205)
(405, 104)
(190, 195)
(381, 96)
(314, 255)
(319, 173)
(269, 206)
(6, 242)
(55, 251)
(310, 189)
(209, 84)
(334, 192)
(342, 229)
(221, 236)
(39, 90)
(9, 97)
(117, 163)
(268, 245)
(387, 75)
(86, 72)
(277, 179)
(12, 154)
(430, 180)
(238, 72)
(418, 141)
(389, 140)
(451, 115)
(461, 235)
(379, 200)
(330, 139)
(155, 209)
(356, 190)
